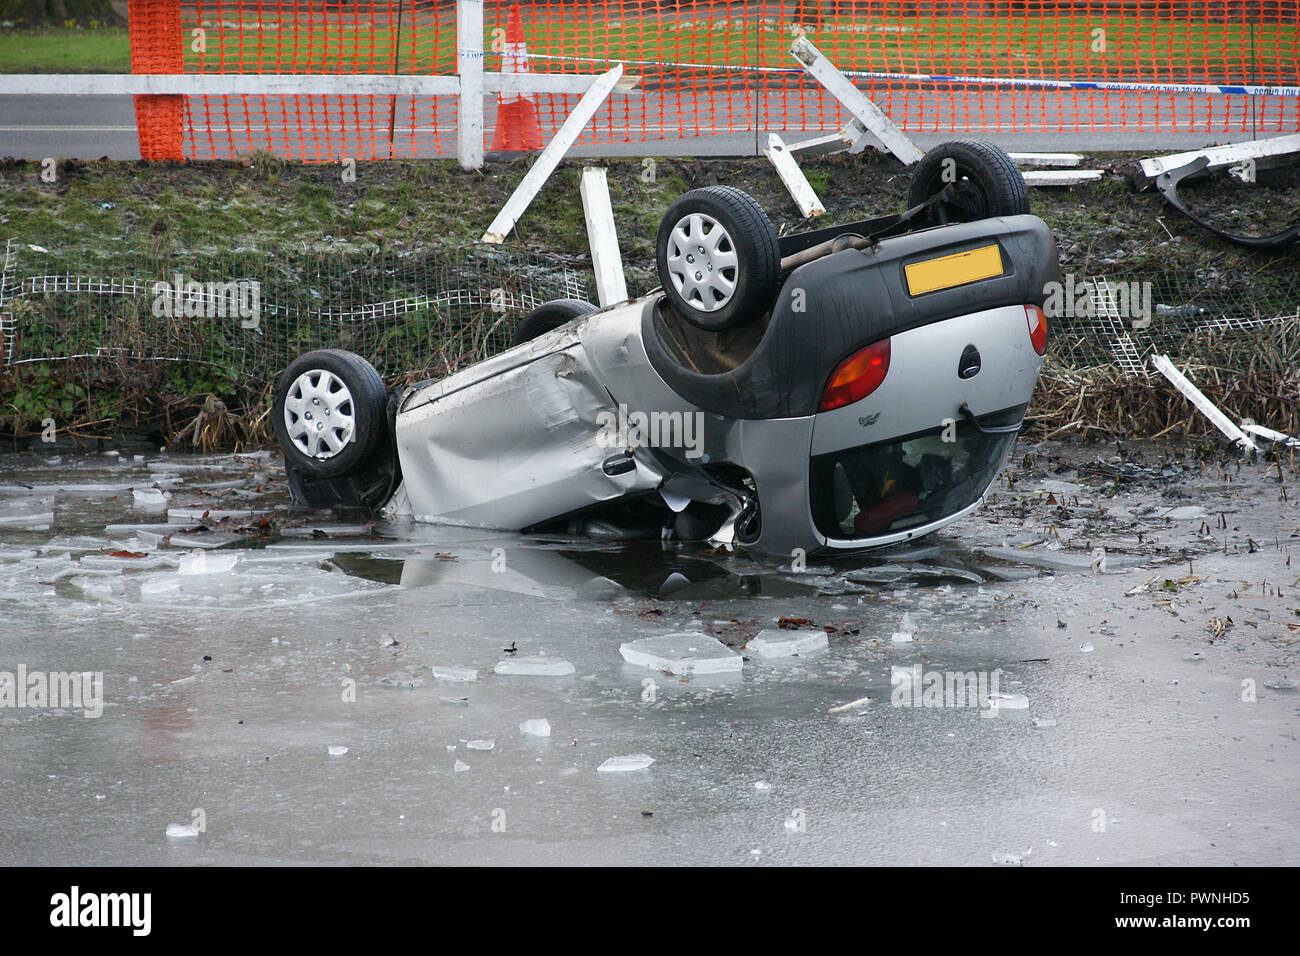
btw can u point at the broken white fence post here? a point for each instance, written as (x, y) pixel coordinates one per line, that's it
(795, 181)
(1220, 156)
(1061, 177)
(855, 101)
(1268, 434)
(1206, 407)
(536, 177)
(852, 137)
(606, 262)
(469, 64)
(1046, 159)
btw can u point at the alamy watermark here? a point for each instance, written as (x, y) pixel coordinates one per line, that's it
(41, 690)
(188, 298)
(915, 687)
(632, 429)
(1085, 298)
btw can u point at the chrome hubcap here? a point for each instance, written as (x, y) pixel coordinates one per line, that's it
(702, 262)
(318, 414)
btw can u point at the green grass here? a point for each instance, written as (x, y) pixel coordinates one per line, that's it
(59, 50)
(989, 46)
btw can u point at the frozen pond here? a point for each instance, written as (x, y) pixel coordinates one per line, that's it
(318, 688)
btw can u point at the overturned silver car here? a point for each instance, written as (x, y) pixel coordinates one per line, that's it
(833, 390)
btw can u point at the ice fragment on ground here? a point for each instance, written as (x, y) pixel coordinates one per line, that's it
(536, 727)
(337, 751)
(626, 763)
(682, 653)
(455, 673)
(905, 632)
(534, 667)
(1185, 513)
(152, 499)
(774, 643)
(1086, 647)
(762, 785)
(1009, 701)
(1010, 859)
(40, 521)
(188, 515)
(480, 744)
(203, 562)
(460, 766)
(1044, 721)
(182, 831)
(1280, 684)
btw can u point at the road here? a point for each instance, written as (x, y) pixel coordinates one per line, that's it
(91, 127)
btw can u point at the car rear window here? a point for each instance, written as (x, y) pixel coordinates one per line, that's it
(884, 488)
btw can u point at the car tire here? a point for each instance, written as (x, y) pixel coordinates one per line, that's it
(550, 316)
(718, 259)
(988, 183)
(317, 392)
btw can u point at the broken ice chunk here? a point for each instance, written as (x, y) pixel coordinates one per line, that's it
(626, 763)
(773, 643)
(455, 673)
(480, 744)
(1008, 701)
(535, 667)
(204, 562)
(149, 499)
(762, 785)
(682, 653)
(182, 831)
(460, 766)
(188, 515)
(536, 727)
(337, 751)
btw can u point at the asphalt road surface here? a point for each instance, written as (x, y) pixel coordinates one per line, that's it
(90, 127)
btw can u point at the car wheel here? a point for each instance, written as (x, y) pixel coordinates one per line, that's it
(986, 183)
(718, 258)
(330, 413)
(548, 317)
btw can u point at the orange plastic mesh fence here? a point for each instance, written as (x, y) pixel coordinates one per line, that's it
(709, 68)
(156, 48)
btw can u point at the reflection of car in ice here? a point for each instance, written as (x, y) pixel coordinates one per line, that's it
(835, 390)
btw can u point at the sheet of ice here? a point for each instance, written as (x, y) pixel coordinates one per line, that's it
(682, 653)
(182, 831)
(626, 763)
(455, 673)
(536, 727)
(774, 643)
(36, 521)
(207, 562)
(205, 539)
(534, 667)
(336, 750)
(480, 744)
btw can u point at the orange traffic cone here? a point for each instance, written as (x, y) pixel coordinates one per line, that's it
(516, 112)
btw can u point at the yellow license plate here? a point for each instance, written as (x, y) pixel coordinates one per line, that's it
(956, 269)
